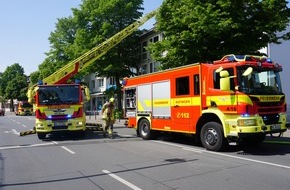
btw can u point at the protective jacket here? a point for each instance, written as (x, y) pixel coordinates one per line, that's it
(108, 111)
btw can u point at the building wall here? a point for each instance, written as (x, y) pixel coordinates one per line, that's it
(280, 54)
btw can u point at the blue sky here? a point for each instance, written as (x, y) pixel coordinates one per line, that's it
(25, 26)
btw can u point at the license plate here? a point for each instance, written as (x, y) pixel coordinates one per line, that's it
(59, 123)
(276, 127)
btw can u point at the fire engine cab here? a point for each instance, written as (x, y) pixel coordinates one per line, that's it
(238, 98)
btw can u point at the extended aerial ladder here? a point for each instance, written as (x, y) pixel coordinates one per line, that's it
(75, 66)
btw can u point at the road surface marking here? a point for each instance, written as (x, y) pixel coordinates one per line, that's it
(227, 155)
(24, 146)
(192, 149)
(248, 159)
(15, 132)
(132, 186)
(24, 126)
(67, 149)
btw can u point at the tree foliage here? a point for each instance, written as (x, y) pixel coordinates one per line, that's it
(198, 30)
(13, 83)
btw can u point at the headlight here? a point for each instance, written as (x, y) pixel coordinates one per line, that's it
(247, 122)
(80, 123)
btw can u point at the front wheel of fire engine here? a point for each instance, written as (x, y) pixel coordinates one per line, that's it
(41, 136)
(212, 137)
(144, 129)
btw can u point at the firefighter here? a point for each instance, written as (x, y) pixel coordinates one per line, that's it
(108, 117)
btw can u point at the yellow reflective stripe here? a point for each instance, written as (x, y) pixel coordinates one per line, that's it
(161, 103)
(245, 99)
(139, 106)
(228, 100)
(191, 101)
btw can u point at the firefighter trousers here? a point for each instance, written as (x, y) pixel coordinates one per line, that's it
(107, 127)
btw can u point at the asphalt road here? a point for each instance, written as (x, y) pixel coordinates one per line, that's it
(128, 162)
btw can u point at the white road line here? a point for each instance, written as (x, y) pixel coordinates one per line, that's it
(251, 160)
(15, 132)
(24, 146)
(225, 155)
(192, 149)
(24, 126)
(67, 149)
(132, 186)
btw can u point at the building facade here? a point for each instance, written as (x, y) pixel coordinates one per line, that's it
(98, 85)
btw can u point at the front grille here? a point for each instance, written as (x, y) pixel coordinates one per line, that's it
(270, 119)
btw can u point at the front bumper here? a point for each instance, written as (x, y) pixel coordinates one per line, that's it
(248, 126)
(49, 126)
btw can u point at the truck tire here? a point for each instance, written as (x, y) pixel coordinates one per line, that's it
(41, 136)
(212, 137)
(144, 129)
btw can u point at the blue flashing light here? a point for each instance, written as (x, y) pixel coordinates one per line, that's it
(49, 117)
(245, 115)
(269, 60)
(69, 116)
(78, 81)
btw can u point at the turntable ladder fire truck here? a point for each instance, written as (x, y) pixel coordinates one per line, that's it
(236, 99)
(59, 106)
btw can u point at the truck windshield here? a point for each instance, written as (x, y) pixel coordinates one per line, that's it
(266, 82)
(55, 95)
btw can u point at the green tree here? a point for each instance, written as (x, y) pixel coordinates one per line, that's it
(13, 84)
(198, 30)
(34, 77)
(61, 40)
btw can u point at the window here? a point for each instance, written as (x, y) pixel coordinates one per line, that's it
(216, 78)
(196, 84)
(182, 86)
(151, 67)
(112, 81)
(92, 84)
(101, 82)
(144, 50)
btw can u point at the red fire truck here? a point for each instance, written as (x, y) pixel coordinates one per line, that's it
(238, 98)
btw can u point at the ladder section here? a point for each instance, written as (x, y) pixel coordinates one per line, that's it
(75, 66)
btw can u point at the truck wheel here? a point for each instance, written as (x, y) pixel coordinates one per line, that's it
(144, 129)
(212, 137)
(41, 136)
